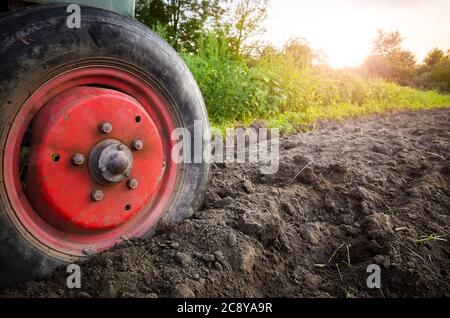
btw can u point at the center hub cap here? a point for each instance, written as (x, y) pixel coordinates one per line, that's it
(96, 160)
(110, 161)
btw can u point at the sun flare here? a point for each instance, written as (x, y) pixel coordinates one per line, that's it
(343, 30)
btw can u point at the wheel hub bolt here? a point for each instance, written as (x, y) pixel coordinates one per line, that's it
(133, 183)
(97, 195)
(138, 144)
(78, 159)
(106, 127)
(121, 147)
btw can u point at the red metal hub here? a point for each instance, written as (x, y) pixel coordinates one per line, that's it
(72, 123)
(98, 168)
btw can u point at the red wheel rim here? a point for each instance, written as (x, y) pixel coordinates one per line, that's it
(69, 242)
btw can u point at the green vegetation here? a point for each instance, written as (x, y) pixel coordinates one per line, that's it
(390, 61)
(290, 88)
(288, 94)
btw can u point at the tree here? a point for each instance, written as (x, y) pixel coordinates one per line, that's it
(389, 60)
(433, 57)
(152, 12)
(183, 20)
(435, 72)
(387, 43)
(299, 52)
(440, 75)
(245, 23)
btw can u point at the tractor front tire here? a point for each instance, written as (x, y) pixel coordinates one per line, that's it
(86, 117)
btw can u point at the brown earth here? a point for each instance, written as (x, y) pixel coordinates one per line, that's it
(371, 190)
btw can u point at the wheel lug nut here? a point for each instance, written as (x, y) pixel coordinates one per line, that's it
(137, 144)
(121, 147)
(78, 159)
(133, 183)
(97, 195)
(105, 127)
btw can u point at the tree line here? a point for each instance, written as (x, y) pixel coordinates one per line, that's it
(185, 24)
(388, 60)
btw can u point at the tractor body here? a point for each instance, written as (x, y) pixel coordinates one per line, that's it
(125, 7)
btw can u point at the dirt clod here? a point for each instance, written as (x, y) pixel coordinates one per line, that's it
(208, 257)
(182, 291)
(311, 233)
(245, 258)
(232, 240)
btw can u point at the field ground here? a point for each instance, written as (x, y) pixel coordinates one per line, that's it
(374, 190)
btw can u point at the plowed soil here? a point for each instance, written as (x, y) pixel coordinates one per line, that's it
(374, 190)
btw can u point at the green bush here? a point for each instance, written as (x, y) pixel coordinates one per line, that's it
(233, 91)
(437, 76)
(276, 89)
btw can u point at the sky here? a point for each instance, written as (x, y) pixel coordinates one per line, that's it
(344, 29)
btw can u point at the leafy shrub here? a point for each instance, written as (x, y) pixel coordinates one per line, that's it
(288, 95)
(232, 90)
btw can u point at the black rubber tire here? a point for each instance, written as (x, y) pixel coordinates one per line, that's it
(3, 7)
(34, 44)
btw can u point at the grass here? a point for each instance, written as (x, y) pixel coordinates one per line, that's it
(430, 238)
(291, 97)
(290, 122)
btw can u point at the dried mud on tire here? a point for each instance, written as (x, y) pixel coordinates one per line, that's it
(375, 190)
